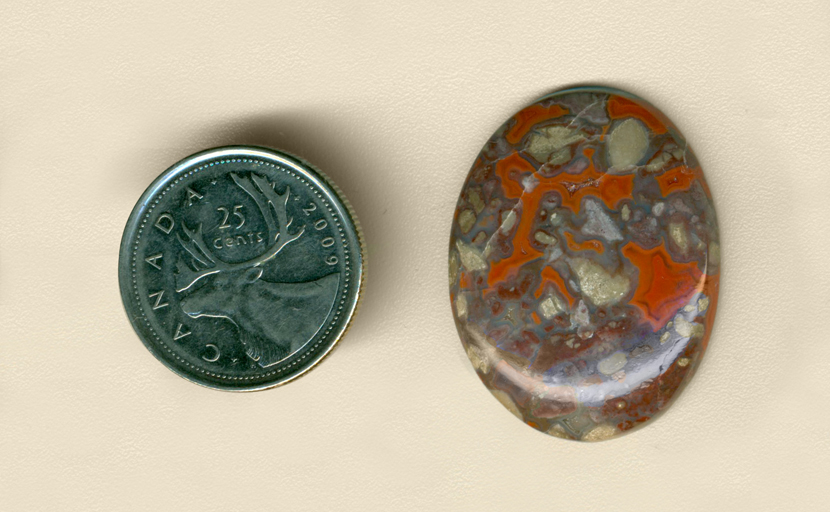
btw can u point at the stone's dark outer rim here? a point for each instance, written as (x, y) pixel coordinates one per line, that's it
(352, 233)
(589, 88)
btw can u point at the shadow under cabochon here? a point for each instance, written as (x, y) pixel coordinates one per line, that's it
(584, 264)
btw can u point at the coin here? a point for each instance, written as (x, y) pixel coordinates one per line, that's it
(241, 268)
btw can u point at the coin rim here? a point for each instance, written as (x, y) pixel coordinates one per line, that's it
(302, 167)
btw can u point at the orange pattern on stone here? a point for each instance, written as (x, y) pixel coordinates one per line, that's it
(552, 277)
(619, 107)
(663, 286)
(679, 178)
(587, 245)
(611, 189)
(572, 188)
(525, 120)
(513, 165)
(523, 251)
(464, 281)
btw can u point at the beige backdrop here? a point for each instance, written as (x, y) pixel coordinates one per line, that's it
(394, 100)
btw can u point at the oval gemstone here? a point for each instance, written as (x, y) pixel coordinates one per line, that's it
(584, 263)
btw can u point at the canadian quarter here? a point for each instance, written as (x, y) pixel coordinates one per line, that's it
(241, 268)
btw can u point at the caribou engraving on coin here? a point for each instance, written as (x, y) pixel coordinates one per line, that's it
(241, 268)
(238, 292)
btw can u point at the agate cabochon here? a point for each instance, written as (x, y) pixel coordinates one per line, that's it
(584, 264)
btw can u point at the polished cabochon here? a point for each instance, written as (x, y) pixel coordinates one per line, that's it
(241, 267)
(584, 263)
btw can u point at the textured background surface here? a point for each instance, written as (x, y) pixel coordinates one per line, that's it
(394, 102)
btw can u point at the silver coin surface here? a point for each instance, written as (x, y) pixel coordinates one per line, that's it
(241, 268)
